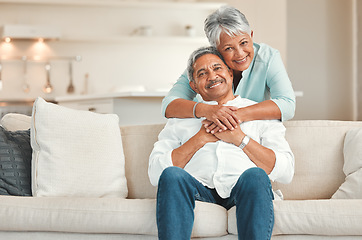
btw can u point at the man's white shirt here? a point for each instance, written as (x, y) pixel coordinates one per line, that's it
(219, 164)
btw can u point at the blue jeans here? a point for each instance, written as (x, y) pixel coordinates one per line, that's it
(178, 191)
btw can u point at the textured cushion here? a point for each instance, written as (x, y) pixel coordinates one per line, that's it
(100, 215)
(76, 153)
(352, 168)
(318, 149)
(15, 121)
(318, 217)
(15, 163)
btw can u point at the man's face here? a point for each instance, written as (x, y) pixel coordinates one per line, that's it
(213, 79)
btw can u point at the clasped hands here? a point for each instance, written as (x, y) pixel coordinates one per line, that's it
(222, 123)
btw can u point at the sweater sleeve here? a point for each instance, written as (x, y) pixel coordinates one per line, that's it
(181, 89)
(281, 90)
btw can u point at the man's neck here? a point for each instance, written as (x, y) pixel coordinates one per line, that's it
(223, 100)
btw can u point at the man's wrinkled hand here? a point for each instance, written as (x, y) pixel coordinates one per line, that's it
(205, 136)
(235, 137)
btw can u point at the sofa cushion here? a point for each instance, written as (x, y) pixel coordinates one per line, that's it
(100, 215)
(136, 158)
(15, 122)
(318, 217)
(15, 163)
(352, 168)
(76, 153)
(318, 149)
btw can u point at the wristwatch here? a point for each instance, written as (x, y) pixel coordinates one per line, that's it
(244, 142)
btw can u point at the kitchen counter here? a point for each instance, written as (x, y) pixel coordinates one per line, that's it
(132, 107)
(111, 95)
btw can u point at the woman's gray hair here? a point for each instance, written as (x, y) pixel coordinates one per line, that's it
(197, 54)
(227, 19)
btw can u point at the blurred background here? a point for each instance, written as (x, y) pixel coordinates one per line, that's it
(123, 56)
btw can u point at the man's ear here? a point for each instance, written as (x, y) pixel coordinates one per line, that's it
(252, 34)
(193, 86)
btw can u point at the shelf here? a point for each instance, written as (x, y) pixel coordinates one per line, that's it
(123, 3)
(139, 39)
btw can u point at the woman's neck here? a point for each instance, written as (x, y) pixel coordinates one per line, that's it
(237, 77)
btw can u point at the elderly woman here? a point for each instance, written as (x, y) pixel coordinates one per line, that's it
(259, 75)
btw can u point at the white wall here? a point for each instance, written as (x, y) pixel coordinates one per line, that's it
(151, 62)
(319, 57)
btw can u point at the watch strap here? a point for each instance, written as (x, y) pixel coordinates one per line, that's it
(244, 142)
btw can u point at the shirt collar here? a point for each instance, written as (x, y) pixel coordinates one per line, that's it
(232, 102)
(236, 102)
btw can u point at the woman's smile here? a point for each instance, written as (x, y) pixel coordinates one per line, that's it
(238, 51)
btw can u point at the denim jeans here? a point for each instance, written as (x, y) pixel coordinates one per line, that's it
(178, 191)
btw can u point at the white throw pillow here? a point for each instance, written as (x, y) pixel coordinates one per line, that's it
(352, 168)
(76, 153)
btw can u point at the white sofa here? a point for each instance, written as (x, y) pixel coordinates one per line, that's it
(307, 211)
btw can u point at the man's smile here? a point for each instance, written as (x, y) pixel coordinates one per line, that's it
(215, 83)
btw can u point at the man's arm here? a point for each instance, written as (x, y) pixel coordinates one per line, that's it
(263, 157)
(273, 154)
(182, 155)
(169, 151)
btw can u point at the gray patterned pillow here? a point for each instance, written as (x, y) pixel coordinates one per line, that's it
(15, 163)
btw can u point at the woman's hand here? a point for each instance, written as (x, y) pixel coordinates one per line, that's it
(218, 117)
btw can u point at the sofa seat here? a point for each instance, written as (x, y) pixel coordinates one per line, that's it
(99, 215)
(314, 217)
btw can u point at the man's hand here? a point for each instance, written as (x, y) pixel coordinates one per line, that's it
(182, 155)
(235, 137)
(205, 137)
(219, 117)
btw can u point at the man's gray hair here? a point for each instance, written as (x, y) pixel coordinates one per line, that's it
(197, 54)
(227, 19)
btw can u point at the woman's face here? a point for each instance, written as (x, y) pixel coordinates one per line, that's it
(237, 51)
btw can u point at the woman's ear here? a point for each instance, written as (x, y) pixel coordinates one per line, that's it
(193, 86)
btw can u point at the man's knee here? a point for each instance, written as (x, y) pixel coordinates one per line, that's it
(253, 179)
(172, 175)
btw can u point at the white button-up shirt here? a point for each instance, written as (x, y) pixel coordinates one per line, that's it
(219, 164)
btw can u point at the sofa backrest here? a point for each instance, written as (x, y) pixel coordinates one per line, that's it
(318, 149)
(137, 145)
(317, 146)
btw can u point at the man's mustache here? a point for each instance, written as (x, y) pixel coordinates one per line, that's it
(212, 82)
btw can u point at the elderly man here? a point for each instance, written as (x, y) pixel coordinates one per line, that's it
(229, 168)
